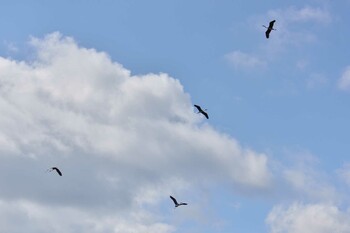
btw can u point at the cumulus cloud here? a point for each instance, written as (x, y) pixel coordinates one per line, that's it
(123, 142)
(344, 81)
(308, 218)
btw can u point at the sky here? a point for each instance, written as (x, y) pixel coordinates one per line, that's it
(104, 90)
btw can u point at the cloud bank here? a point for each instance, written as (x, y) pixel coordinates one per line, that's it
(122, 141)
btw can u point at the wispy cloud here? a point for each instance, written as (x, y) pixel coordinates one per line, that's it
(344, 81)
(307, 183)
(11, 47)
(294, 26)
(245, 61)
(344, 173)
(304, 14)
(304, 181)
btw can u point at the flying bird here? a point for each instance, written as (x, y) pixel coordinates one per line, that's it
(200, 110)
(269, 29)
(176, 203)
(56, 169)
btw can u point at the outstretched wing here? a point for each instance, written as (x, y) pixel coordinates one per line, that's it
(198, 107)
(267, 33)
(183, 203)
(205, 114)
(271, 23)
(174, 200)
(57, 170)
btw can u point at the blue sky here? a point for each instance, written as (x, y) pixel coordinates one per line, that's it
(75, 77)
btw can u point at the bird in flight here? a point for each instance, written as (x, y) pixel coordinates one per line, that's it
(176, 203)
(269, 28)
(200, 110)
(56, 169)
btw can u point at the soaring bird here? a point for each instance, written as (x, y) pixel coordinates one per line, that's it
(56, 169)
(200, 110)
(176, 203)
(269, 29)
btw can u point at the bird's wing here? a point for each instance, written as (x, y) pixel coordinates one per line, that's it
(206, 115)
(58, 171)
(271, 23)
(174, 200)
(198, 107)
(267, 33)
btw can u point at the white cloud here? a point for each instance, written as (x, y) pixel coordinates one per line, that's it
(308, 184)
(344, 81)
(245, 61)
(31, 217)
(294, 27)
(308, 218)
(300, 179)
(304, 14)
(121, 141)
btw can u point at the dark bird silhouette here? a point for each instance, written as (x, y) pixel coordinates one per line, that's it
(176, 203)
(269, 29)
(200, 110)
(56, 169)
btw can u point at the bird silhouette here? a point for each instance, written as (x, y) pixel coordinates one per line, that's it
(200, 110)
(176, 203)
(269, 28)
(56, 169)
